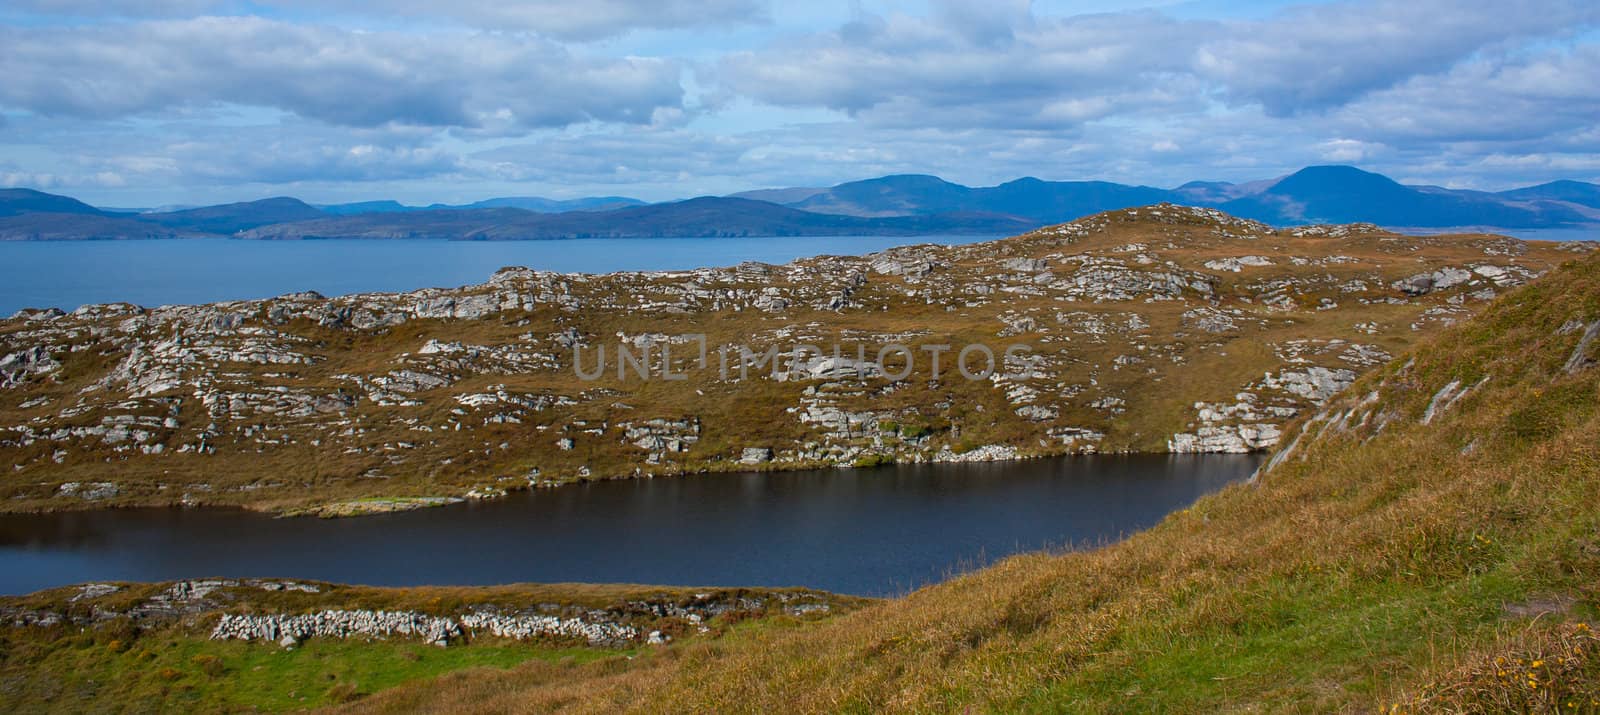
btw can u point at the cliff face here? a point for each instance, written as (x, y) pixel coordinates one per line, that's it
(1156, 329)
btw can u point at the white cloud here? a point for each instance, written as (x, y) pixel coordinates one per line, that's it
(587, 20)
(1458, 93)
(474, 81)
(1319, 56)
(976, 65)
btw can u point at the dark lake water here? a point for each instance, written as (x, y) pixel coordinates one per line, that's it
(67, 274)
(868, 532)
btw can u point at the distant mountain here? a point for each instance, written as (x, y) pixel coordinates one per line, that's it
(1576, 192)
(1042, 202)
(85, 227)
(1058, 201)
(527, 203)
(903, 204)
(901, 195)
(1319, 194)
(15, 202)
(701, 217)
(1344, 194)
(232, 218)
(1212, 193)
(785, 197)
(366, 207)
(549, 206)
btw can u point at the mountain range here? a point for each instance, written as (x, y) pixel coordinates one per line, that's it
(891, 205)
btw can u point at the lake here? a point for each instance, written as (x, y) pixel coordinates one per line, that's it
(869, 532)
(67, 274)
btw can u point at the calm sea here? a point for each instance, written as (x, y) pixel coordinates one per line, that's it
(67, 274)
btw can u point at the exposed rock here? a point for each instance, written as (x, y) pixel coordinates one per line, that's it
(1025, 265)
(1235, 265)
(94, 590)
(1317, 384)
(1228, 439)
(1580, 355)
(1036, 413)
(1425, 283)
(89, 491)
(986, 453)
(337, 624)
(1211, 320)
(19, 366)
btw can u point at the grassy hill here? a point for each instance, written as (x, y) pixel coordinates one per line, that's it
(1161, 329)
(1429, 541)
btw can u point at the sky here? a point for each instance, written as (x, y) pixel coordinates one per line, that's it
(146, 103)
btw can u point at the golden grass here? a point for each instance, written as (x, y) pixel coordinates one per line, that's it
(1376, 566)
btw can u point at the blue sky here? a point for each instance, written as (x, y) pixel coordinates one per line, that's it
(128, 103)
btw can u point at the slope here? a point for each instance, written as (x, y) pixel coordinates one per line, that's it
(1428, 542)
(232, 218)
(1344, 193)
(14, 202)
(1040, 201)
(1576, 192)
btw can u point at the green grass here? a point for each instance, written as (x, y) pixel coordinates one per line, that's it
(106, 671)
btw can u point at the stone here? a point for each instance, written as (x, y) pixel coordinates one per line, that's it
(1235, 265)
(88, 491)
(986, 453)
(1025, 265)
(1226, 439)
(755, 455)
(1425, 283)
(1036, 413)
(1317, 384)
(19, 366)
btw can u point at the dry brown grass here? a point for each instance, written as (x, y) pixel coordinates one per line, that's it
(1377, 565)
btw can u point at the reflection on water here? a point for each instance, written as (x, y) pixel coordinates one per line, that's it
(872, 532)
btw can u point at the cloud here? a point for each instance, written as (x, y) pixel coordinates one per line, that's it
(516, 96)
(1315, 57)
(116, 8)
(485, 82)
(1523, 97)
(994, 64)
(562, 19)
(586, 20)
(196, 152)
(977, 65)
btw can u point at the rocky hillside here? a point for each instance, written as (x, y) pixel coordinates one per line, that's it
(1155, 329)
(1426, 541)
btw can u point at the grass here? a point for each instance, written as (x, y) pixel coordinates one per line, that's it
(106, 670)
(167, 664)
(1385, 565)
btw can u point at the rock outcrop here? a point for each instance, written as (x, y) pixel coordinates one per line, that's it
(1131, 330)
